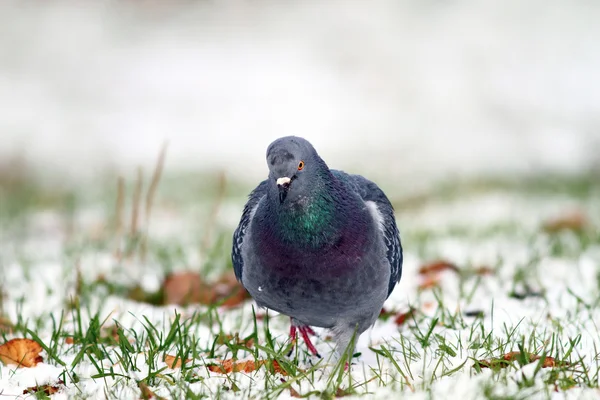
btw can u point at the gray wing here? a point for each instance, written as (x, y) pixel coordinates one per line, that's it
(369, 191)
(238, 236)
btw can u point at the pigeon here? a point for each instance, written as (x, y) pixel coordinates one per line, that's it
(318, 245)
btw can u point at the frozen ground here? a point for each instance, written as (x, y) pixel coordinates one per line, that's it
(540, 294)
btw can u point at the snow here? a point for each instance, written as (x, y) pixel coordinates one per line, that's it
(44, 285)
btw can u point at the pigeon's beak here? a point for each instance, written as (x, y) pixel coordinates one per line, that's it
(283, 184)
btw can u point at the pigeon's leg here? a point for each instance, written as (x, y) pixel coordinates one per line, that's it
(304, 330)
(346, 336)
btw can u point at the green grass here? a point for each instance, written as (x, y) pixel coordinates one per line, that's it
(107, 328)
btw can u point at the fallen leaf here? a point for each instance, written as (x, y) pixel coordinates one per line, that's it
(230, 365)
(431, 273)
(46, 389)
(436, 267)
(184, 288)
(401, 318)
(342, 392)
(575, 221)
(508, 358)
(189, 288)
(174, 362)
(277, 368)
(429, 282)
(294, 393)
(484, 270)
(385, 314)
(6, 326)
(21, 352)
(147, 393)
(111, 331)
(229, 291)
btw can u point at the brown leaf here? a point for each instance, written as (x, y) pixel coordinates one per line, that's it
(6, 326)
(184, 288)
(46, 389)
(575, 221)
(342, 392)
(174, 362)
(147, 393)
(484, 270)
(189, 288)
(431, 273)
(294, 393)
(437, 267)
(508, 358)
(402, 317)
(21, 352)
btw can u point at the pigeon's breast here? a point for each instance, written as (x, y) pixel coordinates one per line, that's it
(317, 285)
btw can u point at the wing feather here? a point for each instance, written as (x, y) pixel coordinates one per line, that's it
(369, 191)
(239, 234)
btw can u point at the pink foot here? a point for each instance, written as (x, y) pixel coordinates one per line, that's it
(304, 330)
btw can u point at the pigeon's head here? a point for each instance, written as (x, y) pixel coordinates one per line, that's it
(293, 166)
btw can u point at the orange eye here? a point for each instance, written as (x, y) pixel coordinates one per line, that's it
(300, 165)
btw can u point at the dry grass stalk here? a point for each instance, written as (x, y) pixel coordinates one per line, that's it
(160, 163)
(158, 169)
(221, 188)
(137, 196)
(119, 212)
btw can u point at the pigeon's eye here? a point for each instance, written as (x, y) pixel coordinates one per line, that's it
(300, 165)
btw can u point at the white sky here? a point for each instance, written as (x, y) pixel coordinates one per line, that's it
(412, 90)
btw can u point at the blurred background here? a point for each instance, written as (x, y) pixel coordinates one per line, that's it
(414, 91)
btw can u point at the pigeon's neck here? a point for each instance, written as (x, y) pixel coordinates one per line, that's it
(313, 221)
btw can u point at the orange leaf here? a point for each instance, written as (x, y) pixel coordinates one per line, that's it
(437, 267)
(277, 368)
(573, 221)
(430, 282)
(230, 365)
(401, 318)
(21, 352)
(174, 362)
